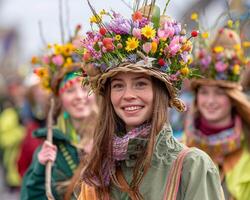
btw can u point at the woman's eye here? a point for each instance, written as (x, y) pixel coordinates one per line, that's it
(117, 86)
(141, 84)
(220, 92)
(70, 90)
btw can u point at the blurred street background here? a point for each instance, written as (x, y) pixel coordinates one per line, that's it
(25, 27)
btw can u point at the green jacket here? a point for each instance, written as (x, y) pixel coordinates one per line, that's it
(33, 185)
(199, 179)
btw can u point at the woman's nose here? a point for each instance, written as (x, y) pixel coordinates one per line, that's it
(129, 93)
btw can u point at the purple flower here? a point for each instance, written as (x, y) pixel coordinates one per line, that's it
(205, 62)
(184, 56)
(132, 58)
(120, 25)
(164, 68)
(76, 58)
(220, 66)
(221, 76)
(177, 28)
(143, 22)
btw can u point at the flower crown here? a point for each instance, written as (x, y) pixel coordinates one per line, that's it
(223, 59)
(58, 60)
(147, 39)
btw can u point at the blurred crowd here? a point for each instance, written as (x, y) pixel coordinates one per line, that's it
(27, 114)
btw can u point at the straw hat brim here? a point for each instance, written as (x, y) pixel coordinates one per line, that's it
(195, 83)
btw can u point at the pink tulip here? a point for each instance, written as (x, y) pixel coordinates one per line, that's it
(46, 59)
(147, 47)
(220, 66)
(137, 33)
(58, 60)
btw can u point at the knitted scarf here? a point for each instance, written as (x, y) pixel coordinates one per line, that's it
(216, 145)
(120, 147)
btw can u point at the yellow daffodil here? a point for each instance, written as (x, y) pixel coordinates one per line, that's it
(148, 32)
(68, 62)
(103, 12)
(68, 49)
(237, 47)
(58, 49)
(236, 69)
(34, 60)
(132, 44)
(218, 49)
(230, 23)
(194, 16)
(154, 47)
(42, 72)
(95, 19)
(190, 60)
(117, 37)
(49, 46)
(184, 71)
(246, 44)
(205, 35)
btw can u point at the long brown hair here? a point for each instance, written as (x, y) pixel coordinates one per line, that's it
(107, 126)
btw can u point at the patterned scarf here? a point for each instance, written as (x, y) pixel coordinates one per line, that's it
(216, 145)
(120, 147)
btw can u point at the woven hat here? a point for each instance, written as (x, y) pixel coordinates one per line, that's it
(146, 43)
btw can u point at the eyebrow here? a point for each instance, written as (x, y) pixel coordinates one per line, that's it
(135, 78)
(139, 77)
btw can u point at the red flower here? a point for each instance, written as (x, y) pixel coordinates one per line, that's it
(102, 31)
(78, 27)
(86, 57)
(221, 30)
(108, 44)
(137, 16)
(161, 62)
(194, 33)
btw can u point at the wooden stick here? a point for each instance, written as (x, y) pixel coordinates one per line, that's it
(49, 139)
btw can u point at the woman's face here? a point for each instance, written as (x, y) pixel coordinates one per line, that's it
(77, 101)
(132, 98)
(213, 104)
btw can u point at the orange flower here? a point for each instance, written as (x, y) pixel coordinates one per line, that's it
(137, 16)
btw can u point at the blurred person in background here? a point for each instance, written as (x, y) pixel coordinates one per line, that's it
(219, 121)
(75, 113)
(12, 130)
(177, 119)
(33, 115)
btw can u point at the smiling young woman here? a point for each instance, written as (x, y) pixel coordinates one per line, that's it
(219, 120)
(74, 115)
(135, 155)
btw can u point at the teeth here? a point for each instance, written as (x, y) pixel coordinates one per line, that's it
(132, 108)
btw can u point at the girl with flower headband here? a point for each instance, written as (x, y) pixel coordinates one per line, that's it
(219, 122)
(74, 114)
(136, 68)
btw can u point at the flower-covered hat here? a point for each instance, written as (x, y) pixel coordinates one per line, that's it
(147, 43)
(221, 61)
(57, 67)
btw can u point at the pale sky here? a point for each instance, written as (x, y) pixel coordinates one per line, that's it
(25, 14)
